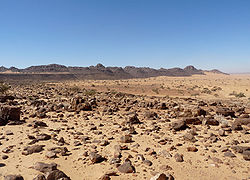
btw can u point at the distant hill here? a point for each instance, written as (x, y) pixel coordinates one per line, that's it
(94, 72)
(216, 71)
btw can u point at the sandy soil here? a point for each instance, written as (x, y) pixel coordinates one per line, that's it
(101, 124)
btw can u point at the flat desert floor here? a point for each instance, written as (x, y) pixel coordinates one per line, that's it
(186, 128)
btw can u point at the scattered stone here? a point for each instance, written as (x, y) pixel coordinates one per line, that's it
(189, 137)
(178, 157)
(162, 176)
(44, 167)
(95, 158)
(104, 177)
(225, 112)
(126, 139)
(179, 125)
(211, 122)
(126, 167)
(51, 154)
(222, 132)
(40, 177)
(194, 121)
(33, 149)
(57, 174)
(43, 137)
(192, 149)
(147, 162)
(5, 157)
(13, 177)
(229, 154)
(133, 118)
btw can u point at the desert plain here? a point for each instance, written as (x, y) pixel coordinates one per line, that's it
(184, 128)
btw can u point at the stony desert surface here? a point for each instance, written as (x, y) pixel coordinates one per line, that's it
(183, 128)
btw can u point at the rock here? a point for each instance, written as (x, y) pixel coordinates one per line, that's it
(147, 162)
(225, 112)
(9, 113)
(240, 149)
(221, 132)
(104, 177)
(165, 154)
(107, 175)
(39, 124)
(189, 137)
(200, 112)
(133, 119)
(126, 139)
(162, 176)
(217, 160)
(44, 167)
(95, 158)
(8, 132)
(33, 149)
(247, 110)
(179, 125)
(192, 149)
(194, 121)
(229, 154)
(162, 106)
(114, 160)
(7, 149)
(56, 175)
(236, 127)
(13, 177)
(77, 143)
(40, 177)
(43, 137)
(242, 121)
(140, 157)
(50, 154)
(84, 107)
(210, 121)
(151, 115)
(246, 157)
(165, 168)
(178, 157)
(61, 140)
(5, 157)
(126, 167)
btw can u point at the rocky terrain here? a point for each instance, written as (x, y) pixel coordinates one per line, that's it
(55, 72)
(157, 128)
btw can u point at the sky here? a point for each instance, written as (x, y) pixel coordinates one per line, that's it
(208, 34)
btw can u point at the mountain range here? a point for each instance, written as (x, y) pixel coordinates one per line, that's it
(61, 72)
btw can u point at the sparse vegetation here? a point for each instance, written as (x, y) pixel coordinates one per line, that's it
(75, 89)
(4, 88)
(89, 92)
(206, 91)
(155, 90)
(238, 95)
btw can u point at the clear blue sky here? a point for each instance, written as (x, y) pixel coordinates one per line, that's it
(157, 33)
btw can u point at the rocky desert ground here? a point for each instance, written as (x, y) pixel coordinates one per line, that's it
(183, 128)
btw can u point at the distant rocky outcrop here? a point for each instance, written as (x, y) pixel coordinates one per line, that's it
(216, 71)
(61, 72)
(3, 69)
(46, 68)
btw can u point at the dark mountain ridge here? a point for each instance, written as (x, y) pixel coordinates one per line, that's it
(98, 72)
